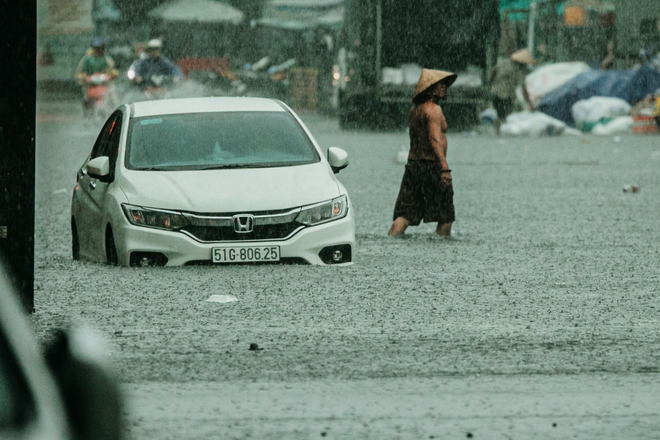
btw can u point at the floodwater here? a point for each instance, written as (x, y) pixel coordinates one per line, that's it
(538, 318)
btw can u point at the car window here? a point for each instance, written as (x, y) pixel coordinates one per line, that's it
(218, 140)
(107, 143)
(16, 403)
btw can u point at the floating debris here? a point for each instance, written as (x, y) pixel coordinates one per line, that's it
(222, 298)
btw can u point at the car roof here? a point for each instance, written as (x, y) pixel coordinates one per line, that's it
(205, 105)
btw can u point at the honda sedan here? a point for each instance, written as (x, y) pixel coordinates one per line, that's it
(210, 180)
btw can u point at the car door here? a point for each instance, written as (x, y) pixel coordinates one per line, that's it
(93, 190)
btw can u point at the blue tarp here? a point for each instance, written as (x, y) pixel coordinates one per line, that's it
(630, 85)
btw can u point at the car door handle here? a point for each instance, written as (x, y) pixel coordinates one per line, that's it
(92, 185)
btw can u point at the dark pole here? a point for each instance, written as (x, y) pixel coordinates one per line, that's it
(17, 158)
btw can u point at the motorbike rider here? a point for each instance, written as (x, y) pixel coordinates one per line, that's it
(94, 62)
(140, 54)
(156, 64)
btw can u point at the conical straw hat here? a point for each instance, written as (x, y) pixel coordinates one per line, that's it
(522, 56)
(430, 77)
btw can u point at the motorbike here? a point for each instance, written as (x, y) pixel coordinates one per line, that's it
(98, 95)
(152, 88)
(158, 86)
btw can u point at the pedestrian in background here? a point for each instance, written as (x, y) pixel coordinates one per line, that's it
(426, 191)
(508, 74)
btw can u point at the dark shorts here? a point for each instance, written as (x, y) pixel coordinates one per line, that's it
(503, 107)
(423, 195)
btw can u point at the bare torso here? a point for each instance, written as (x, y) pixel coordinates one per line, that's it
(428, 138)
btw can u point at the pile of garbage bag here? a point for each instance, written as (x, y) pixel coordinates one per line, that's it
(631, 85)
(535, 124)
(547, 78)
(621, 124)
(599, 111)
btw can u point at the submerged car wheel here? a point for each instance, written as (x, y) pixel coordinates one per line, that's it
(75, 242)
(110, 249)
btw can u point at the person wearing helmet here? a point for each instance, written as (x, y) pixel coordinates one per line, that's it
(156, 64)
(94, 62)
(426, 191)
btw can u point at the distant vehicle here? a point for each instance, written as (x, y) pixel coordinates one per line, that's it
(158, 86)
(99, 92)
(384, 45)
(68, 394)
(210, 180)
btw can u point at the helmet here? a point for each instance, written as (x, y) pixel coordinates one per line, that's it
(154, 44)
(98, 42)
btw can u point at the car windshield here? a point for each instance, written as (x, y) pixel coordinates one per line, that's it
(198, 141)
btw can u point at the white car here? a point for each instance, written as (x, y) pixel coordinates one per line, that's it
(210, 180)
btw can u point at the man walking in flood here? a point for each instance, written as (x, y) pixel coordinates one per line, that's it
(426, 191)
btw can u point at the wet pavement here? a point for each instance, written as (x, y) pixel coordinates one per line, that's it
(537, 319)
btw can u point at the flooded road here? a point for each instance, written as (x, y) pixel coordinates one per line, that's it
(538, 318)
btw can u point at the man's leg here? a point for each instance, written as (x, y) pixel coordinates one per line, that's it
(398, 227)
(443, 229)
(498, 124)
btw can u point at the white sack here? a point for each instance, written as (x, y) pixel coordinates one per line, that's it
(488, 115)
(411, 73)
(406, 74)
(546, 78)
(598, 107)
(532, 124)
(622, 124)
(390, 75)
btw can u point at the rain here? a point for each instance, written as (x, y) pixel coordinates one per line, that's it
(537, 317)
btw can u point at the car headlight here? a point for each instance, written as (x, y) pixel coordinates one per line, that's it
(154, 218)
(323, 212)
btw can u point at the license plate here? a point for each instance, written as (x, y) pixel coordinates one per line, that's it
(246, 254)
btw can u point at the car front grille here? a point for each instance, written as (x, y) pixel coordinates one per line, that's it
(266, 226)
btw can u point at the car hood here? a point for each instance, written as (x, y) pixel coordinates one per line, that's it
(231, 190)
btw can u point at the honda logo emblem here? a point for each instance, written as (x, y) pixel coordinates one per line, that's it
(243, 223)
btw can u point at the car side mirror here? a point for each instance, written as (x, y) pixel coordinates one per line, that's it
(337, 158)
(87, 384)
(98, 167)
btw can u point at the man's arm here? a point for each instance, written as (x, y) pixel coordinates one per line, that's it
(139, 70)
(527, 98)
(175, 72)
(436, 134)
(493, 74)
(81, 76)
(111, 71)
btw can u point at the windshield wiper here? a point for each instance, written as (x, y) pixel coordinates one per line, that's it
(231, 166)
(152, 169)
